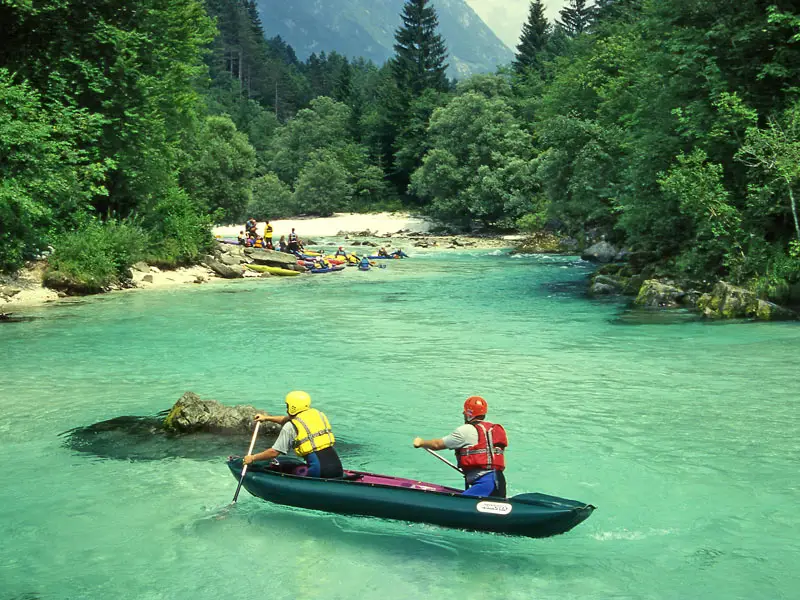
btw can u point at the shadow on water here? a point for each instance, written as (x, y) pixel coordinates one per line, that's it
(396, 297)
(643, 316)
(11, 318)
(575, 288)
(144, 439)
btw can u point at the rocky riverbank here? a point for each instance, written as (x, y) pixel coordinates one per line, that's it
(26, 288)
(624, 274)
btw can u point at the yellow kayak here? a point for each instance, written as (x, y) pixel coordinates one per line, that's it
(272, 270)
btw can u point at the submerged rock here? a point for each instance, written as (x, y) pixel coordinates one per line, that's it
(191, 414)
(145, 438)
(640, 316)
(730, 302)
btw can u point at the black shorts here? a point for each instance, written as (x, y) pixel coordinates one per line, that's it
(324, 463)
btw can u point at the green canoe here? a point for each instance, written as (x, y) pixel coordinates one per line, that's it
(372, 495)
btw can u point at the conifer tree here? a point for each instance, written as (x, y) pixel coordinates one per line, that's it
(420, 52)
(534, 38)
(576, 17)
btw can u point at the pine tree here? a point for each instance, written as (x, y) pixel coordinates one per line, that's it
(576, 17)
(420, 52)
(534, 38)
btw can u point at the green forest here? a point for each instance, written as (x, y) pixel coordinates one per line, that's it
(671, 127)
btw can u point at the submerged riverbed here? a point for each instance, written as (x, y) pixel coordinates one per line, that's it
(682, 432)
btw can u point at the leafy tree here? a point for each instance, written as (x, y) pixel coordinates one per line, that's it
(480, 166)
(412, 140)
(180, 230)
(272, 199)
(48, 174)
(776, 150)
(323, 187)
(324, 125)
(715, 226)
(220, 174)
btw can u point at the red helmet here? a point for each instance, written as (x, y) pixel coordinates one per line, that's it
(475, 406)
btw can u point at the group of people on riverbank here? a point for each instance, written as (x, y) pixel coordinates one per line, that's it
(249, 237)
(478, 444)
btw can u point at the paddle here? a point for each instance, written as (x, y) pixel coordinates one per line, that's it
(444, 460)
(244, 467)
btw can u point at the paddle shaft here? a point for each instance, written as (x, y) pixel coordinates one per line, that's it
(444, 460)
(244, 467)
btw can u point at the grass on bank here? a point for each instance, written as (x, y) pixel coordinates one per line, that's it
(99, 254)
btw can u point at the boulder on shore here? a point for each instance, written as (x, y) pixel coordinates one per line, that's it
(657, 294)
(730, 302)
(221, 269)
(605, 285)
(191, 414)
(601, 252)
(270, 258)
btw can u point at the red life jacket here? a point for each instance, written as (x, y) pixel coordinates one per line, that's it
(488, 452)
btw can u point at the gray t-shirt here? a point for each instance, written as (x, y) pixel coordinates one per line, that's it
(464, 436)
(286, 438)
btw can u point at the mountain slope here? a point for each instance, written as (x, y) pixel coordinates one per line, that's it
(366, 28)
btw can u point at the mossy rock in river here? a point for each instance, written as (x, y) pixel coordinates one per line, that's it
(542, 243)
(191, 414)
(730, 302)
(657, 294)
(605, 285)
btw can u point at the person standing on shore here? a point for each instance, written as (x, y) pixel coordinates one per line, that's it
(308, 432)
(480, 450)
(293, 242)
(251, 227)
(268, 236)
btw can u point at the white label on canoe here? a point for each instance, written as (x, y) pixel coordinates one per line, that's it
(496, 508)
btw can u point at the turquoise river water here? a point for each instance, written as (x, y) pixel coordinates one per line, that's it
(682, 433)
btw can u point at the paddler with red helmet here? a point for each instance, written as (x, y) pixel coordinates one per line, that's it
(479, 447)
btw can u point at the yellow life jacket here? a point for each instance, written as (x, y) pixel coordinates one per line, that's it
(268, 231)
(313, 432)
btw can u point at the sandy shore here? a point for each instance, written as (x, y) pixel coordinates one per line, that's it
(400, 230)
(378, 224)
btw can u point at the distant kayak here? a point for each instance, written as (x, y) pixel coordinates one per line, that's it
(383, 496)
(273, 270)
(330, 269)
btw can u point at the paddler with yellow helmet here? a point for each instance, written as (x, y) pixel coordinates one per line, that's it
(306, 431)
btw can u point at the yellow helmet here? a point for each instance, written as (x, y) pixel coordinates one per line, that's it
(297, 402)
